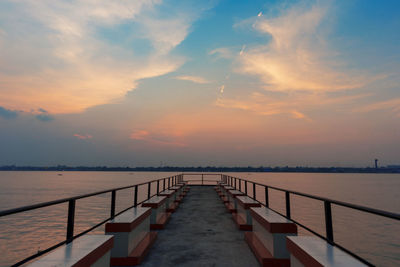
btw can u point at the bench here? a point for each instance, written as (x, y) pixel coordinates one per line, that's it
(231, 195)
(177, 195)
(185, 188)
(242, 217)
(268, 237)
(219, 185)
(224, 192)
(171, 206)
(159, 215)
(132, 236)
(87, 250)
(314, 251)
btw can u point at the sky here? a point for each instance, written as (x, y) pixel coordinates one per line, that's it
(199, 83)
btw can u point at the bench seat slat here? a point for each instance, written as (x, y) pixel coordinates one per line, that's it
(167, 193)
(83, 251)
(314, 251)
(155, 201)
(247, 202)
(128, 220)
(272, 221)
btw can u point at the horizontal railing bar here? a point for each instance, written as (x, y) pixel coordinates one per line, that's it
(63, 200)
(311, 231)
(75, 236)
(215, 174)
(383, 213)
(320, 236)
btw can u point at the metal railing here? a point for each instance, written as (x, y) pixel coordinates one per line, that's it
(167, 182)
(329, 234)
(161, 184)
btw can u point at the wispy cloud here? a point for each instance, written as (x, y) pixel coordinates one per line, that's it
(8, 114)
(43, 115)
(64, 66)
(195, 79)
(156, 139)
(139, 135)
(83, 136)
(222, 52)
(295, 105)
(392, 105)
(298, 57)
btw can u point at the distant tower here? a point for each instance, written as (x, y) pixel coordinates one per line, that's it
(376, 163)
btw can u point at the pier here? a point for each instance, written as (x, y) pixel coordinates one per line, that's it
(200, 233)
(211, 220)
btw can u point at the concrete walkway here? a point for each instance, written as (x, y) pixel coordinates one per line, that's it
(200, 233)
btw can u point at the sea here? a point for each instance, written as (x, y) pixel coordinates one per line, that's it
(372, 237)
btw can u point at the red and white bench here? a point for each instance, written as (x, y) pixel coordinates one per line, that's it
(185, 188)
(315, 252)
(87, 250)
(171, 206)
(231, 195)
(268, 237)
(219, 185)
(224, 192)
(177, 195)
(159, 215)
(132, 236)
(242, 217)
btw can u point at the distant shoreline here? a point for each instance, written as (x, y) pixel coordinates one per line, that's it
(387, 169)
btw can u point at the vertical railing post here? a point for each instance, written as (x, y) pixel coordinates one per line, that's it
(287, 197)
(136, 196)
(113, 197)
(71, 220)
(164, 184)
(158, 187)
(254, 191)
(240, 185)
(245, 187)
(148, 190)
(235, 182)
(266, 197)
(202, 179)
(169, 182)
(328, 221)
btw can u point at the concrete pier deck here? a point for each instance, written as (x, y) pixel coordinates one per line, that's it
(200, 233)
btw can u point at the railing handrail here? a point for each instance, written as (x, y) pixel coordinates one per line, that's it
(63, 200)
(329, 237)
(172, 180)
(383, 213)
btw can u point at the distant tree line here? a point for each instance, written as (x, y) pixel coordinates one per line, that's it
(388, 169)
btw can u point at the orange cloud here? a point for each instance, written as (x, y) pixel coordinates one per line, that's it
(298, 57)
(157, 139)
(83, 137)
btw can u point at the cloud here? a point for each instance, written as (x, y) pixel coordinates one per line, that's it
(139, 135)
(298, 56)
(43, 115)
(60, 56)
(295, 105)
(222, 52)
(83, 137)
(159, 139)
(392, 105)
(195, 79)
(8, 114)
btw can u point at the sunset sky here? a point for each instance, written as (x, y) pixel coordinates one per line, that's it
(168, 82)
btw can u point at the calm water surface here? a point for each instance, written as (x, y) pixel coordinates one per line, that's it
(376, 239)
